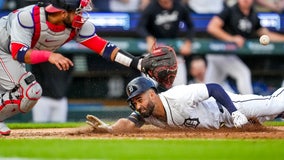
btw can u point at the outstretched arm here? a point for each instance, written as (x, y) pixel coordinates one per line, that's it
(111, 52)
(160, 65)
(120, 126)
(123, 125)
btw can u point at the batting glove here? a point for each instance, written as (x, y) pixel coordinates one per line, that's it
(97, 124)
(239, 119)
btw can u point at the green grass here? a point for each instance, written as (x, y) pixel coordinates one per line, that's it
(142, 149)
(197, 149)
(274, 123)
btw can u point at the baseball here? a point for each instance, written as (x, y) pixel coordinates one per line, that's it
(264, 40)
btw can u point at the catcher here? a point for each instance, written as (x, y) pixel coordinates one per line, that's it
(191, 106)
(32, 35)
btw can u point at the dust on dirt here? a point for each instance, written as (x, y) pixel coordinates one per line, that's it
(150, 132)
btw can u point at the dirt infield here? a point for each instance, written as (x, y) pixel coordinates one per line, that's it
(250, 132)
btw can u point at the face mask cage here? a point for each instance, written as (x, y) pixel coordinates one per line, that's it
(81, 13)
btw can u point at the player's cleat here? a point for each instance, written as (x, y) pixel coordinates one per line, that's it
(279, 117)
(4, 130)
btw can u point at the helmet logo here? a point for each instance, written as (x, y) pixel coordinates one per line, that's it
(131, 89)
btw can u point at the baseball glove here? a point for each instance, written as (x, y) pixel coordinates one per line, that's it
(161, 65)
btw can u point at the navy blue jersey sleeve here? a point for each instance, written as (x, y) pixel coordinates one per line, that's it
(136, 119)
(216, 91)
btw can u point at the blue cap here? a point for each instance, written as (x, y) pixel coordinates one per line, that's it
(138, 86)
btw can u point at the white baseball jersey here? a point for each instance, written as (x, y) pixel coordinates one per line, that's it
(189, 106)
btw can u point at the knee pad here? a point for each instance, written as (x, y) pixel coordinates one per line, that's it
(30, 92)
(22, 98)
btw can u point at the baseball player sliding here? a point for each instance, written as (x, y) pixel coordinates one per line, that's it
(191, 106)
(31, 35)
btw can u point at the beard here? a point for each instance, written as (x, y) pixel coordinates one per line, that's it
(68, 22)
(149, 110)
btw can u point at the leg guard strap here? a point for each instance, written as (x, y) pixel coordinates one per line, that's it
(9, 105)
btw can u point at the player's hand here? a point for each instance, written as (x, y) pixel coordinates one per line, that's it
(239, 119)
(97, 124)
(239, 40)
(185, 49)
(61, 62)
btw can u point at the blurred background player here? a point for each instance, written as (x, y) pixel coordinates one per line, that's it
(197, 70)
(235, 24)
(53, 104)
(160, 20)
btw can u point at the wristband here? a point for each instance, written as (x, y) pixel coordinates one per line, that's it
(38, 56)
(21, 54)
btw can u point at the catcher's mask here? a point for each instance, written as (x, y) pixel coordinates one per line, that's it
(79, 6)
(138, 86)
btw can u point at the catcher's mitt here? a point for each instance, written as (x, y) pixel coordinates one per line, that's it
(161, 65)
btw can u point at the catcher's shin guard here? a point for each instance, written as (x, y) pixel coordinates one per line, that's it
(30, 92)
(20, 99)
